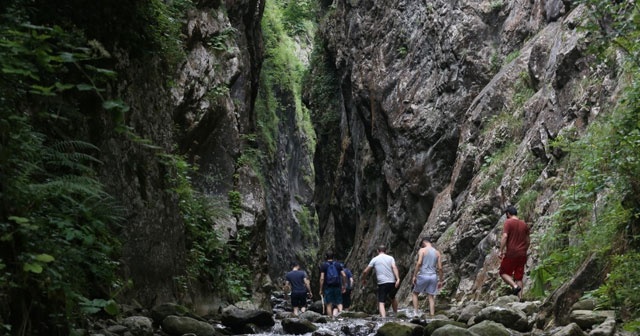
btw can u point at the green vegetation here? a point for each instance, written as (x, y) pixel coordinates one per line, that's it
(235, 202)
(298, 17)
(497, 5)
(523, 88)
(512, 56)
(59, 246)
(531, 176)
(57, 254)
(282, 71)
(402, 51)
(526, 205)
(494, 62)
(506, 126)
(217, 92)
(494, 167)
(209, 257)
(600, 209)
(324, 87)
(220, 42)
(307, 221)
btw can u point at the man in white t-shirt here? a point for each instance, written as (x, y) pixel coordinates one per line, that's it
(387, 276)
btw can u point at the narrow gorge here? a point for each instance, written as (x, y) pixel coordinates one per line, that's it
(187, 151)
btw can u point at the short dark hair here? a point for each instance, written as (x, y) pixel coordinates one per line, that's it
(294, 264)
(511, 210)
(329, 255)
(382, 248)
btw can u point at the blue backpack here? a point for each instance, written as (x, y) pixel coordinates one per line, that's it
(333, 277)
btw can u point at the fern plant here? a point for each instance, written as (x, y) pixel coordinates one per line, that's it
(57, 244)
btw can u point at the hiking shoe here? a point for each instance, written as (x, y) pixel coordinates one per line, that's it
(516, 290)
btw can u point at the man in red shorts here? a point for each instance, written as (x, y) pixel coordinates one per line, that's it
(513, 250)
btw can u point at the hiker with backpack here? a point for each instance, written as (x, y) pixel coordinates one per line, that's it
(388, 279)
(333, 281)
(346, 295)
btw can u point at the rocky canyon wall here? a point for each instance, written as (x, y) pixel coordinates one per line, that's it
(448, 111)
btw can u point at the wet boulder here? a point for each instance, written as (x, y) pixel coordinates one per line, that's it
(298, 326)
(239, 319)
(571, 329)
(313, 317)
(400, 329)
(470, 311)
(509, 317)
(489, 328)
(587, 319)
(161, 311)
(181, 325)
(437, 324)
(138, 325)
(607, 328)
(452, 330)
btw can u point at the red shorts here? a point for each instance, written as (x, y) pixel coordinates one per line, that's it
(513, 266)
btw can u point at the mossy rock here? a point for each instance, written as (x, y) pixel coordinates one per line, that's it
(400, 329)
(436, 324)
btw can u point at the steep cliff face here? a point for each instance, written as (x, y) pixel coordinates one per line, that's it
(202, 111)
(241, 124)
(448, 111)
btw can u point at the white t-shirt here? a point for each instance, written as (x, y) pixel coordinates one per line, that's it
(383, 263)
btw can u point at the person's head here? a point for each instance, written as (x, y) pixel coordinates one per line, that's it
(382, 248)
(294, 264)
(510, 211)
(425, 241)
(329, 255)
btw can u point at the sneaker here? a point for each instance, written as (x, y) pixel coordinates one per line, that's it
(516, 290)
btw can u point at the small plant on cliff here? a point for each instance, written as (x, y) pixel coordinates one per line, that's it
(523, 90)
(494, 167)
(220, 41)
(402, 51)
(512, 56)
(235, 202)
(496, 5)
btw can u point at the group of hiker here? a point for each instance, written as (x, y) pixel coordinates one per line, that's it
(337, 282)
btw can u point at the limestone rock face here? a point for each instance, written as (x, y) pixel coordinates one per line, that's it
(449, 109)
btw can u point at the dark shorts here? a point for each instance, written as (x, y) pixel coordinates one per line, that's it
(346, 299)
(513, 266)
(333, 295)
(387, 290)
(298, 300)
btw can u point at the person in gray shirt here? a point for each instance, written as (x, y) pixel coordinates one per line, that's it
(427, 276)
(388, 279)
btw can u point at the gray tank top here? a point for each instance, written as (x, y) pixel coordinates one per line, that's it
(429, 262)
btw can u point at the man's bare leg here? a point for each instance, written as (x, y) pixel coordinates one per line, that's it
(383, 313)
(414, 298)
(432, 305)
